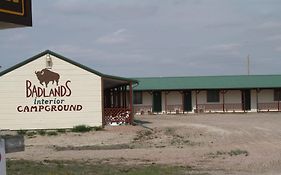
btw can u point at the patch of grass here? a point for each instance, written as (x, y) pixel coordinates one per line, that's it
(31, 134)
(61, 130)
(21, 132)
(97, 128)
(52, 133)
(95, 147)
(23, 167)
(237, 152)
(41, 132)
(81, 128)
(169, 131)
(143, 134)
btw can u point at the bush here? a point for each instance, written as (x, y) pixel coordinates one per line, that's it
(52, 133)
(237, 152)
(21, 132)
(61, 130)
(41, 132)
(97, 128)
(31, 133)
(81, 128)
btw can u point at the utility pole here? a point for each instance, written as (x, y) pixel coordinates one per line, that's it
(248, 64)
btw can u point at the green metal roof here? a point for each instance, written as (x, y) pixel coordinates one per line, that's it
(209, 82)
(67, 60)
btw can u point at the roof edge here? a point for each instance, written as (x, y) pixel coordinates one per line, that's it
(67, 60)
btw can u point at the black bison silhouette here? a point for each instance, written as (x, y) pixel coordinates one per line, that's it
(45, 75)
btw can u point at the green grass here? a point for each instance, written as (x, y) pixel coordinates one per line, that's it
(41, 132)
(81, 128)
(52, 133)
(23, 167)
(237, 152)
(61, 130)
(21, 132)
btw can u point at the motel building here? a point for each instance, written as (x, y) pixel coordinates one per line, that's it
(205, 94)
(50, 91)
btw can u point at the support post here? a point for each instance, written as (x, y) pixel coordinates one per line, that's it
(131, 103)
(257, 98)
(223, 101)
(196, 100)
(278, 91)
(166, 102)
(243, 101)
(182, 100)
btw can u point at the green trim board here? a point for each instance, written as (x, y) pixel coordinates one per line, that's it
(69, 61)
(208, 82)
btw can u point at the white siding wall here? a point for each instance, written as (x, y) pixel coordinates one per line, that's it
(146, 98)
(232, 96)
(266, 96)
(174, 98)
(85, 87)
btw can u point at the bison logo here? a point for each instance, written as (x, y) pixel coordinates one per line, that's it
(45, 76)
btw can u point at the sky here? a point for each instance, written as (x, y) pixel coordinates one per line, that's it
(142, 38)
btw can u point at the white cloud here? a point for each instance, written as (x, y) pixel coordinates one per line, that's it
(117, 37)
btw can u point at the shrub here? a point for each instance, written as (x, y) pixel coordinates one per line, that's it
(97, 128)
(237, 152)
(41, 132)
(61, 130)
(81, 128)
(21, 132)
(31, 133)
(52, 133)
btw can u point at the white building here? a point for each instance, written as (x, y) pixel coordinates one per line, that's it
(50, 91)
(245, 93)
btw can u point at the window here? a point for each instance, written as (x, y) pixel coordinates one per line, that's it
(213, 96)
(277, 94)
(137, 97)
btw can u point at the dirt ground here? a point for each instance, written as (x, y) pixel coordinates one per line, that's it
(213, 143)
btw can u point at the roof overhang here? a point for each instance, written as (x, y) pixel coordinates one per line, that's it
(15, 13)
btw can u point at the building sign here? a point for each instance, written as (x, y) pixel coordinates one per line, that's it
(15, 7)
(48, 94)
(2, 158)
(16, 12)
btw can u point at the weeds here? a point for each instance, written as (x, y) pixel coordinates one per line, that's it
(143, 134)
(21, 132)
(31, 134)
(235, 152)
(52, 133)
(61, 130)
(41, 132)
(81, 128)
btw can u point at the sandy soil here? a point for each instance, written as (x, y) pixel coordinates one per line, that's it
(208, 142)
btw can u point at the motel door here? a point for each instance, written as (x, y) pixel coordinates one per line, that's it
(157, 101)
(187, 101)
(246, 100)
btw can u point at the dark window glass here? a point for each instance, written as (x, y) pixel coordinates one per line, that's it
(213, 96)
(277, 94)
(137, 97)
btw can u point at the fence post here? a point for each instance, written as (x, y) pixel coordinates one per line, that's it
(2, 157)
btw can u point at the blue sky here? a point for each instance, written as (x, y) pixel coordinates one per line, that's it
(136, 38)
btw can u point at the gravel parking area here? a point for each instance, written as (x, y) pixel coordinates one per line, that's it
(213, 143)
